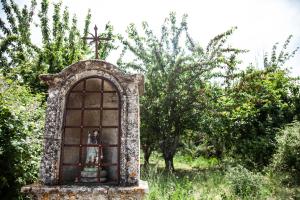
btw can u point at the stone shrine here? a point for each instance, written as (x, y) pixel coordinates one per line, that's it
(91, 139)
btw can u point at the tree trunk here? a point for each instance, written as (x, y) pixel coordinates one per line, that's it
(169, 165)
(168, 148)
(147, 153)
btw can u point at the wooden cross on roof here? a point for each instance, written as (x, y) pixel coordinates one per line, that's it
(97, 39)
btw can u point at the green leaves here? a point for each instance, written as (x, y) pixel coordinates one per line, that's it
(286, 159)
(175, 73)
(44, 22)
(276, 59)
(62, 42)
(21, 128)
(257, 103)
(108, 46)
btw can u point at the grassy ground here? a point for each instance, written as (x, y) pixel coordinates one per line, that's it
(206, 179)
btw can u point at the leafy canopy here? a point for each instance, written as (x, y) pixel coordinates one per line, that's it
(177, 71)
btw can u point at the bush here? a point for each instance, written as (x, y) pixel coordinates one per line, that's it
(244, 183)
(21, 123)
(287, 156)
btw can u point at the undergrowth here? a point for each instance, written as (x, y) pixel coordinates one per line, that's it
(202, 178)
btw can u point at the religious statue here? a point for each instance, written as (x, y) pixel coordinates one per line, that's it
(91, 171)
(92, 153)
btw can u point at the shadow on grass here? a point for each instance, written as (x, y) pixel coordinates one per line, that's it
(180, 172)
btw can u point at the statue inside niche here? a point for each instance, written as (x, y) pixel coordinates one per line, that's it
(91, 171)
(92, 153)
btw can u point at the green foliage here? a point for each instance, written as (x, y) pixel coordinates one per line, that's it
(177, 70)
(278, 59)
(196, 162)
(244, 183)
(167, 186)
(263, 104)
(63, 45)
(287, 156)
(21, 112)
(21, 128)
(16, 46)
(210, 182)
(109, 46)
(196, 101)
(245, 116)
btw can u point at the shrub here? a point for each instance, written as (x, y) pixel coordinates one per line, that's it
(287, 156)
(21, 123)
(244, 183)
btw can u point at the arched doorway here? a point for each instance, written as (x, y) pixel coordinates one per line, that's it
(91, 133)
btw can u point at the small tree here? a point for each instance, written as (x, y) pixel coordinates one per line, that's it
(62, 44)
(177, 72)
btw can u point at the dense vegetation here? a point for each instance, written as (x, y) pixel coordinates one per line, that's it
(198, 94)
(229, 129)
(21, 129)
(207, 178)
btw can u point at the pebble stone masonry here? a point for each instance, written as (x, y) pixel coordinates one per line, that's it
(129, 87)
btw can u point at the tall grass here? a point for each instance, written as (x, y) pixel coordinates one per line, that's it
(203, 178)
(167, 185)
(193, 179)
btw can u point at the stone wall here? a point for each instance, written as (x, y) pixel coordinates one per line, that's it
(36, 192)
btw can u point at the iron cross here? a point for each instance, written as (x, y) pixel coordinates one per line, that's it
(97, 39)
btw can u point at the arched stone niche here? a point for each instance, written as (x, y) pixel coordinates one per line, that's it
(129, 87)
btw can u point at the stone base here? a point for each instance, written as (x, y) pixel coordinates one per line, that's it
(63, 192)
(89, 175)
